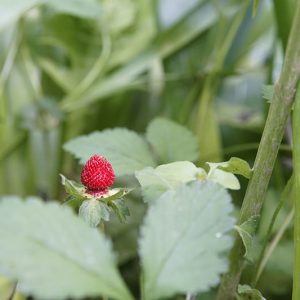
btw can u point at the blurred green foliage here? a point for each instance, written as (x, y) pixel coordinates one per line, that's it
(72, 67)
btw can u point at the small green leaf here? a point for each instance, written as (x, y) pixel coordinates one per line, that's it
(156, 181)
(234, 165)
(226, 179)
(246, 232)
(171, 141)
(93, 211)
(184, 238)
(246, 292)
(124, 149)
(72, 187)
(121, 210)
(267, 92)
(60, 251)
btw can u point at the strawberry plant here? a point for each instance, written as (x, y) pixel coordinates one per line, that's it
(149, 150)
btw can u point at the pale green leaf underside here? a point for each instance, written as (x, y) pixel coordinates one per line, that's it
(183, 238)
(171, 141)
(234, 165)
(156, 181)
(124, 149)
(92, 212)
(53, 254)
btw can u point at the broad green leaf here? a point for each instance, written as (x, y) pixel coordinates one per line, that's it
(60, 251)
(156, 181)
(234, 165)
(125, 149)
(171, 141)
(93, 211)
(184, 238)
(79, 8)
(246, 292)
(246, 232)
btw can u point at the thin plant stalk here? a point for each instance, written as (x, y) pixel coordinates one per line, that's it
(274, 243)
(296, 193)
(280, 108)
(284, 196)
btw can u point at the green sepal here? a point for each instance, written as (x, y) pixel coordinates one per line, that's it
(93, 212)
(120, 209)
(73, 188)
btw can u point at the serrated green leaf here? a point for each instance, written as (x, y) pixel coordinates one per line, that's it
(246, 232)
(156, 181)
(72, 187)
(246, 292)
(121, 210)
(124, 149)
(60, 251)
(171, 141)
(93, 211)
(183, 239)
(234, 165)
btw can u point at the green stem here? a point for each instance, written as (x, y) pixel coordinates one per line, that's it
(274, 243)
(280, 108)
(296, 193)
(284, 196)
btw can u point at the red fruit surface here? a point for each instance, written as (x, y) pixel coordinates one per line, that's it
(97, 174)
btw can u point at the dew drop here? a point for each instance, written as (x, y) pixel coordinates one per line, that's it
(218, 235)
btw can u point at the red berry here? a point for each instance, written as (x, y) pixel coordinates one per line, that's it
(97, 174)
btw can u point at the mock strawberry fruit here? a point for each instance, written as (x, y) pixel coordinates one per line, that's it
(97, 174)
